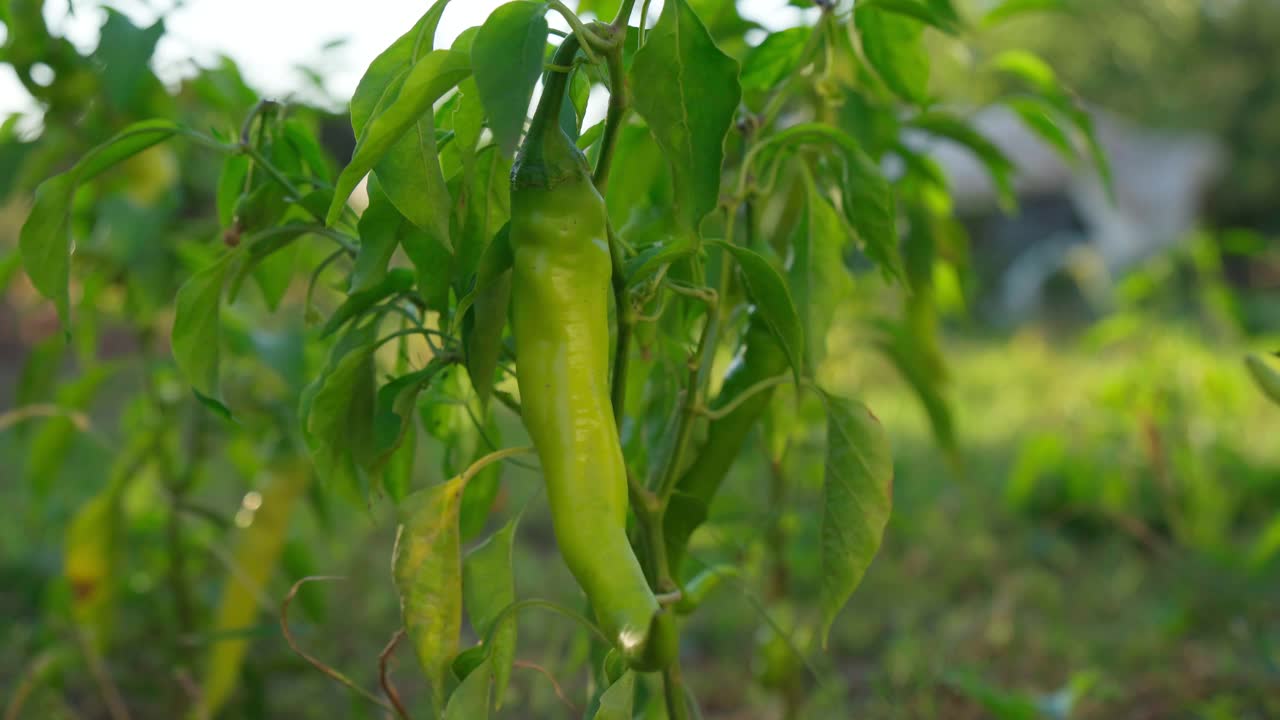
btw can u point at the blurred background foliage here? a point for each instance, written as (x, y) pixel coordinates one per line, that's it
(1087, 507)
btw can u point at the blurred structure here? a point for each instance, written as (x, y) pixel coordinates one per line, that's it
(1066, 222)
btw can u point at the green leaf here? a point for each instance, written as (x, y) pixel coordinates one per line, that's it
(197, 328)
(894, 45)
(45, 242)
(230, 186)
(940, 14)
(774, 59)
(773, 301)
(45, 238)
(393, 409)
(430, 78)
(653, 257)
(507, 56)
(383, 224)
(48, 449)
(857, 493)
(124, 52)
(616, 702)
(427, 568)
(398, 472)
(956, 130)
(1030, 69)
(338, 414)
(379, 236)
(399, 280)
(482, 333)
(915, 359)
(410, 169)
(488, 587)
(1266, 375)
(304, 142)
(818, 278)
(1037, 115)
(687, 90)
(471, 700)
(1010, 9)
(868, 201)
(487, 207)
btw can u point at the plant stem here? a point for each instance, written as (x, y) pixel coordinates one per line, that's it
(626, 321)
(624, 14)
(615, 116)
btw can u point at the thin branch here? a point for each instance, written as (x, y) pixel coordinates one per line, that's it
(317, 664)
(527, 665)
(384, 674)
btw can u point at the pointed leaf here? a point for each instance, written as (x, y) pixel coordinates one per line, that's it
(339, 415)
(488, 587)
(399, 280)
(427, 568)
(471, 700)
(430, 78)
(1266, 375)
(482, 334)
(197, 328)
(1010, 9)
(45, 242)
(774, 59)
(857, 493)
(773, 301)
(507, 56)
(818, 278)
(894, 45)
(993, 158)
(616, 702)
(688, 91)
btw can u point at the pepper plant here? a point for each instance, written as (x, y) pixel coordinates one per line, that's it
(644, 294)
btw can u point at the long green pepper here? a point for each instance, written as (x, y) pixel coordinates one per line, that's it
(559, 300)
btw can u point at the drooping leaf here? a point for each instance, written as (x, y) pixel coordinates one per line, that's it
(894, 45)
(857, 493)
(1010, 9)
(774, 303)
(616, 702)
(688, 91)
(993, 158)
(507, 56)
(1265, 375)
(471, 700)
(818, 278)
(429, 78)
(868, 201)
(1038, 116)
(774, 59)
(940, 14)
(398, 280)
(482, 334)
(410, 169)
(45, 239)
(338, 415)
(427, 568)
(488, 587)
(197, 329)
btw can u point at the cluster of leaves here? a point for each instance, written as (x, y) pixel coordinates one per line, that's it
(751, 175)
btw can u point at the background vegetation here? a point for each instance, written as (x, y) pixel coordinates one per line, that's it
(1087, 505)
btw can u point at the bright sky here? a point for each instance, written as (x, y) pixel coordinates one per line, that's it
(269, 39)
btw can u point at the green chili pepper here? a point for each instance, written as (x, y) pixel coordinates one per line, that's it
(560, 289)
